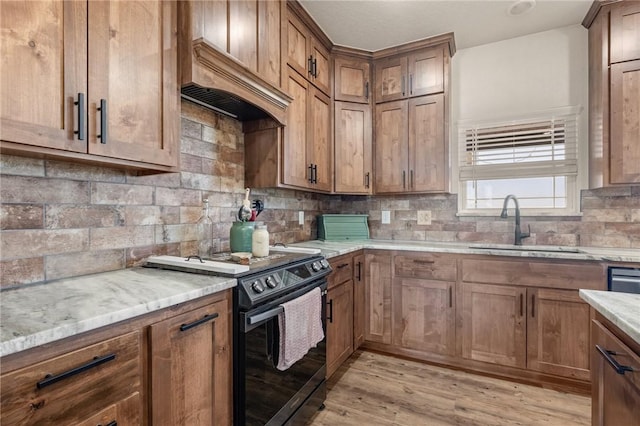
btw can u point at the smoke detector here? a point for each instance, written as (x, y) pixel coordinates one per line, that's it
(521, 7)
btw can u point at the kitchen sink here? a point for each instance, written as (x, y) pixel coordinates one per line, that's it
(544, 249)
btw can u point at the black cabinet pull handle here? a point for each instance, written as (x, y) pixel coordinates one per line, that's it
(411, 84)
(51, 379)
(451, 296)
(359, 271)
(315, 68)
(404, 179)
(111, 423)
(521, 304)
(366, 90)
(608, 355)
(315, 173)
(330, 303)
(81, 128)
(206, 318)
(423, 261)
(533, 306)
(310, 173)
(403, 85)
(367, 180)
(411, 179)
(103, 121)
(310, 64)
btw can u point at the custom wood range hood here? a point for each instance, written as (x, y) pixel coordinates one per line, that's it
(214, 78)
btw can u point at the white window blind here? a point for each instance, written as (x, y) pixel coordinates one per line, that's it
(524, 149)
(534, 157)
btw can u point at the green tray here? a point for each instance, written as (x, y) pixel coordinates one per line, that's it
(337, 227)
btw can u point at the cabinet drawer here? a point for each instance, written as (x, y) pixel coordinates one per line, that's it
(528, 272)
(72, 387)
(342, 270)
(425, 265)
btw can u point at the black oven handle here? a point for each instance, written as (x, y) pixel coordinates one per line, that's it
(249, 321)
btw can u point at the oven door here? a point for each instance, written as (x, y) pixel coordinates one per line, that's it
(265, 395)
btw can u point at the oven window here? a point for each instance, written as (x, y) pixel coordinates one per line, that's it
(268, 389)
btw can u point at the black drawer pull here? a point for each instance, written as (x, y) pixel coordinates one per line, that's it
(80, 103)
(111, 423)
(103, 121)
(330, 303)
(342, 265)
(206, 318)
(423, 262)
(50, 379)
(608, 355)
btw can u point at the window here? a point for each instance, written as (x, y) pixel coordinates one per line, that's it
(536, 159)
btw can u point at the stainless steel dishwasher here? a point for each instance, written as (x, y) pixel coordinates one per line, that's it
(626, 280)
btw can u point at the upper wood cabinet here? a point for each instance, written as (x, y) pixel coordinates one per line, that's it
(353, 148)
(411, 146)
(614, 93)
(625, 32)
(81, 83)
(416, 74)
(248, 30)
(351, 80)
(306, 54)
(191, 367)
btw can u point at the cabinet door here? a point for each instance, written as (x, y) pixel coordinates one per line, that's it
(391, 79)
(353, 147)
(44, 66)
(378, 298)
(359, 285)
(493, 324)
(295, 167)
(339, 313)
(616, 397)
(321, 67)
(424, 315)
(426, 72)
(320, 144)
(132, 70)
(391, 155)
(191, 369)
(298, 41)
(428, 154)
(127, 412)
(351, 80)
(625, 122)
(625, 32)
(558, 333)
(270, 41)
(243, 32)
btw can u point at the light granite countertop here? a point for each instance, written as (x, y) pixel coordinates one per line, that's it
(336, 248)
(39, 314)
(622, 309)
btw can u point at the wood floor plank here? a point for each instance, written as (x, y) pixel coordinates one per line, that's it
(374, 389)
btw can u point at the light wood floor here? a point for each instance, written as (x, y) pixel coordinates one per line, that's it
(373, 389)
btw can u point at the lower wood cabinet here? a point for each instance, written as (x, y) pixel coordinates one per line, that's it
(377, 315)
(615, 376)
(170, 367)
(339, 325)
(99, 381)
(359, 285)
(424, 315)
(191, 365)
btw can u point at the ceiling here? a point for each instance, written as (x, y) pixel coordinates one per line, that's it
(376, 24)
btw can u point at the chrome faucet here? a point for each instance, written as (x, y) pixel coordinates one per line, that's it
(519, 235)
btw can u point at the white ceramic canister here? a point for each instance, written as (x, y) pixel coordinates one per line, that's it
(260, 241)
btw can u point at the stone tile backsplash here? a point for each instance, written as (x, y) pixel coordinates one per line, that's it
(61, 219)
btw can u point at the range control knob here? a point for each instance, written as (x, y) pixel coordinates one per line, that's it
(257, 287)
(324, 263)
(271, 282)
(316, 266)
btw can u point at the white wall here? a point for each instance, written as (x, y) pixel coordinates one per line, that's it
(526, 74)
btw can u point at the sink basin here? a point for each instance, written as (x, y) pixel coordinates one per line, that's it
(545, 249)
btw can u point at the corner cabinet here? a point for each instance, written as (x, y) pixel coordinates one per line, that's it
(83, 84)
(614, 93)
(411, 146)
